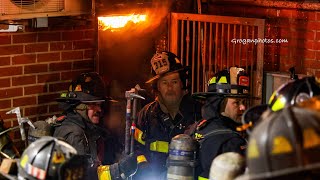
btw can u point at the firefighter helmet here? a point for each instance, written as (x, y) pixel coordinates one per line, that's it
(165, 62)
(43, 159)
(227, 166)
(283, 144)
(294, 92)
(228, 83)
(88, 87)
(290, 93)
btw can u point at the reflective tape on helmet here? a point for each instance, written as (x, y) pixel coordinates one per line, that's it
(310, 138)
(159, 146)
(24, 161)
(253, 151)
(63, 95)
(36, 172)
(78, 88)
(141, 159)
(202, 178)
(279, 103)
(281, 145)
(104, 172)
(223, 79)
(138, 136)
(212, 80)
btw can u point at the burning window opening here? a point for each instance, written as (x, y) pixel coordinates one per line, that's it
(117, 22)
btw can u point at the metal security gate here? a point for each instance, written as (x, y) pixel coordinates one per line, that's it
(211, 43)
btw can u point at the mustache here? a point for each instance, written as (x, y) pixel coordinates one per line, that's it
(170, 93)
(99, 114)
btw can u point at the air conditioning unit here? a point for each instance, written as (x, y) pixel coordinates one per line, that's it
(27, 9)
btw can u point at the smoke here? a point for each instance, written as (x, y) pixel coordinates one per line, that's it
(158, 15)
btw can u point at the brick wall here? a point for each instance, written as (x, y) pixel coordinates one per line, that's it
(37, 64)
(300, 27)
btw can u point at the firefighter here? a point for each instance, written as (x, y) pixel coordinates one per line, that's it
(172, 113)
(225, 103)
(286, 145)
(290, 93)
(82, 106)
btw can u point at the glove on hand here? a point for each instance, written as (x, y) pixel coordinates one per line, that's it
(128, 165)
(125, 168)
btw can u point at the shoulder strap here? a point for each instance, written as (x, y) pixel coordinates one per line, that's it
(148, 115)
(216, 132)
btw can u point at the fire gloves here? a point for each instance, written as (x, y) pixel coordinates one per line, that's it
(125, 168)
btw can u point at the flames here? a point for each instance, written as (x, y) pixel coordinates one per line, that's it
(114, 23)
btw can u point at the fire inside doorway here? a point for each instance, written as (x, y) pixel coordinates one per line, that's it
(127, 38)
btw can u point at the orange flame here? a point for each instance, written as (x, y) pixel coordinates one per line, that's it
(117, 22)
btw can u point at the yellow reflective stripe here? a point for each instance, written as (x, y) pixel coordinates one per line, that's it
(104, 172)
(253, 151)
(272, 97)
(311, 138)
(212, 80)
(141, 159)
(138, 136)
(160, 146)
(281, 145)
(279, 104)
(202, 178)
(223, 79)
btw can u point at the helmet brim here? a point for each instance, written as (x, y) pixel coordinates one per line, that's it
(82, 97)
(205, 95)
(253, 115)
(154, 78)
